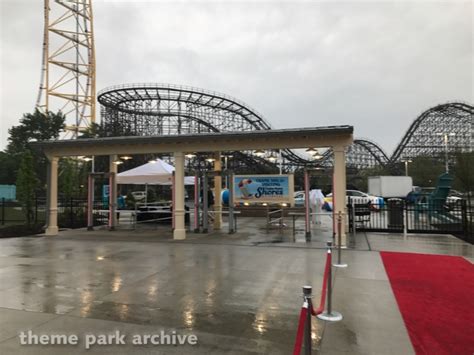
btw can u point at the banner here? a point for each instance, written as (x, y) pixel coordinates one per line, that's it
(263, 188)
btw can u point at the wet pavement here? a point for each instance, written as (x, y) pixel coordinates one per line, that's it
(240, 293)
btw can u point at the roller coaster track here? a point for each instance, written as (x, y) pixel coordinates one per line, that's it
(425, 134)
(157, 109)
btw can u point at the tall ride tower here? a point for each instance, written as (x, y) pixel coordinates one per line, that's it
(68, 65)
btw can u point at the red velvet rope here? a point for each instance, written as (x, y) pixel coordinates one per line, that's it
(322, 301)
(319, 310)
(300, 332)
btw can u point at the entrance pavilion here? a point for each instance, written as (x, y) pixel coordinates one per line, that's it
(335, 137)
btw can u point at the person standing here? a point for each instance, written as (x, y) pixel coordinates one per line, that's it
(316, 202)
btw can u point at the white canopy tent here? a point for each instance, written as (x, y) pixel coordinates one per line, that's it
(156, 173)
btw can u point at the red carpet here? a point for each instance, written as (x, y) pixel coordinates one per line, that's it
(435, 294)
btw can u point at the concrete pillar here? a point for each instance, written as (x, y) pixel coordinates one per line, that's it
(52, 228)
(339, 189)
(217, 191)
(179, 228)
(113, 168)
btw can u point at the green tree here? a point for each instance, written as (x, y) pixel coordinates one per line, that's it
(72, 177)
(68, 178)
(94, 130)
(464, 171)
(464, 180)
(425, 170)
(34, 126)
(8, 164)
(26, 184)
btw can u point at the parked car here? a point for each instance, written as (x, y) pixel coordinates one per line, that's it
(421, 195)
(299, 198)
(454, 197)
(358, 197)
(139, 195)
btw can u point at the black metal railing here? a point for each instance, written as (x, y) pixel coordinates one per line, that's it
(397, 216)
(72, 212)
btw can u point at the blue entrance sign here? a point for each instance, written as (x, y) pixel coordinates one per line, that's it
(263, 188)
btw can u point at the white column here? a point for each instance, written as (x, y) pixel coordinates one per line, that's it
(217, 191)
(113, 168)
(52, 228)
(339, 188)
(179, 228)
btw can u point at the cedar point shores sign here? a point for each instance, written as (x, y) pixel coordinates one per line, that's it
(264, 188)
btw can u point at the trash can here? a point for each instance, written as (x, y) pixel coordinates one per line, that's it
(395, 213)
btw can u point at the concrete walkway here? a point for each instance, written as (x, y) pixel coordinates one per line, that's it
(240, 294)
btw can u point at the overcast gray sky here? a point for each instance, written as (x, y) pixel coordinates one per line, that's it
(374, 65)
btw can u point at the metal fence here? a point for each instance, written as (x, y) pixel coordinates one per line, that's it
(72, 212)
(393, 216)
(397, 216)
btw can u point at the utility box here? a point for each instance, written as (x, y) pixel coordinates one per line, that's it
(390, 186)
(8, 192)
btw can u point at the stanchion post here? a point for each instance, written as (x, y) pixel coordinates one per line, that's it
(71, 212)
(135, 218)
(339, 246)
(307, 221)
(36, 209)
(282, 216)
(268, 218)
(3, 211)
(354, 231)
(307, 294)
(294, 228)
(90, 203)
(230, 187)
(196, 203)
(405, 220)
(205, 206)
(112, 202)
(173, 201)
(333, 207)
(330, 315)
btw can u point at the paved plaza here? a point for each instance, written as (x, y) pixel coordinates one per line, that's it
(239, 294)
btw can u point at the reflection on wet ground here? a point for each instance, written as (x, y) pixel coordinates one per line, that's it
(239, 293)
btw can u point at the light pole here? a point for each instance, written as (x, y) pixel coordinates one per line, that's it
(445, 135)
(280, 162)
(406, 161)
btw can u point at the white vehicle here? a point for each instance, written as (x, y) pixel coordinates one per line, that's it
(359, 197)
(299, 198)
(454, 197)
(390, 186)
(362, 197)
(139, 195)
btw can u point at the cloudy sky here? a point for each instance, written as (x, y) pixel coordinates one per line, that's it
(374, 65)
